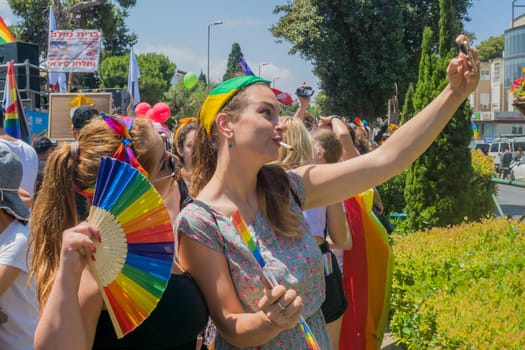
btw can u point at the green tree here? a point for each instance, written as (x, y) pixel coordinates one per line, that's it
(233, 67)
(491, 48)
(186, 103)
(438, 184)
(156, 72)
(355, 48)
(105, 15)
(408, 106)
(360, 48)
(417, 15)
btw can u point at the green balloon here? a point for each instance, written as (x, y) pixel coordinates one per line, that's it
(190, 80)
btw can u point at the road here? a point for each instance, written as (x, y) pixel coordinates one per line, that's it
(511, 200)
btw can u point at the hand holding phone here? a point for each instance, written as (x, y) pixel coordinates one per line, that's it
(465, 48)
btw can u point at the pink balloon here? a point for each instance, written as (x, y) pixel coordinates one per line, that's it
(161, 112)
(141, 109)
(149, 114)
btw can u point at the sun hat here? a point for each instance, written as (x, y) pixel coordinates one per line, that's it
(10, 179)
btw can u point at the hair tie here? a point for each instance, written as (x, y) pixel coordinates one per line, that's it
(124, 152)
(74, 151)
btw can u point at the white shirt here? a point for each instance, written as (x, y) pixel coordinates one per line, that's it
(29, 160)
(19, 301)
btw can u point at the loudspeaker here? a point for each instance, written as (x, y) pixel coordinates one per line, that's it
(19, 52)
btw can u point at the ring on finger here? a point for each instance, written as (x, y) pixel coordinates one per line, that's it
(283, 308)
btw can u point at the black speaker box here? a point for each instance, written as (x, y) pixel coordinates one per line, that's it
(19, 52)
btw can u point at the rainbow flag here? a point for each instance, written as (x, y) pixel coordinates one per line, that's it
(474, 130)
(367, 277)
(12, 109)
(5, 34)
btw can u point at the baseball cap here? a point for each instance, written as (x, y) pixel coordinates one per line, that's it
(11, 170)
(80, 116)
(42, 144)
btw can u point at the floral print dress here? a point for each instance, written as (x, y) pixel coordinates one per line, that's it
(295, 262)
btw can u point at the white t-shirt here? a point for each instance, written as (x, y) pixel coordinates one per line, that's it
(29, 160)
(19, 301)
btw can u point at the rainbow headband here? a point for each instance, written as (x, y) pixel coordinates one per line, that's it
(223, 93)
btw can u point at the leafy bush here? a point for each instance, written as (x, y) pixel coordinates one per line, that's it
(482, 187)
(392, 194)
(460, 287)
(481, 191)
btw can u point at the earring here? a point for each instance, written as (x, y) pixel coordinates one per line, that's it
(230, 145)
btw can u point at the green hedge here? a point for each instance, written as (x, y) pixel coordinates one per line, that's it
(481, 190)
(461, 287)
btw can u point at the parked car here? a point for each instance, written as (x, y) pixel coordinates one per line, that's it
(517, 170)
(499, 144)
(484, 147)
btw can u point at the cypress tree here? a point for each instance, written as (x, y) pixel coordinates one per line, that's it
(408, 106)
(234, 66)
(437, 188)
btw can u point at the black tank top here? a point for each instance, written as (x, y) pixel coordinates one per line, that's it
(174, 324)
(185, 197)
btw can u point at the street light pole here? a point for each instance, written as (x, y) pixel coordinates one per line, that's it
(274, 79)
(214, 23)
(260, 65)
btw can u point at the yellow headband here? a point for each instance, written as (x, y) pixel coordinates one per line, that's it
(180, 126)
(223, 93)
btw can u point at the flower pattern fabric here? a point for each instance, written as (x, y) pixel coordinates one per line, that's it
(295, 262)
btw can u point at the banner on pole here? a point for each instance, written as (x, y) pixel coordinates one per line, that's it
(74, 50)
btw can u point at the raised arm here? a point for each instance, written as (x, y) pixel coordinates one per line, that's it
(329, 183)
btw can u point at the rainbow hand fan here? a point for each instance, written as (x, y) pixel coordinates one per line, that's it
(133, 262)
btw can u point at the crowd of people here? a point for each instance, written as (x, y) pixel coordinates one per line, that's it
(287, 177)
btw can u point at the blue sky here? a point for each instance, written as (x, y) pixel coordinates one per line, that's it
(179, 29)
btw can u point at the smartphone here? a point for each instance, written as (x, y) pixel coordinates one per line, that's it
(465, 48)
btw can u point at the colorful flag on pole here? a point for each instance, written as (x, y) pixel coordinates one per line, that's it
(5, 34)
(133, 82)
(56, 77)
(15, 123)
(245, 68)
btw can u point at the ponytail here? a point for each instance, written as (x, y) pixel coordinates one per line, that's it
(54, 211)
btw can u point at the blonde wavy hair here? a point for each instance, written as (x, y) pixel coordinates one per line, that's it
(54, 209)
(297, 136)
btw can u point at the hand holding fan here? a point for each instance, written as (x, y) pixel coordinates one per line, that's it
(133, 261)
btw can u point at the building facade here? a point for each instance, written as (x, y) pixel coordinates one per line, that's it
(493, 112)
